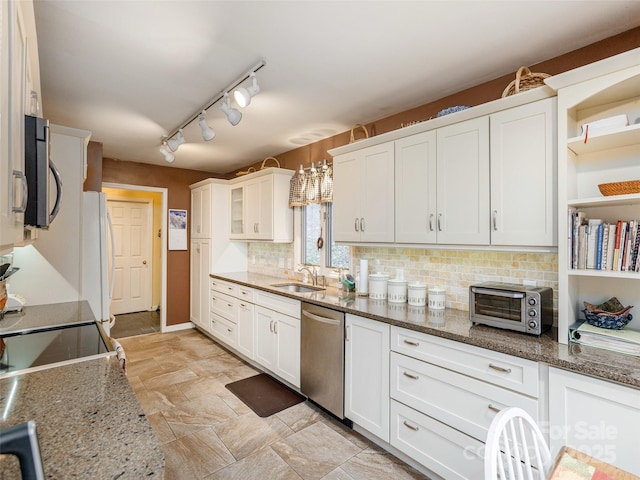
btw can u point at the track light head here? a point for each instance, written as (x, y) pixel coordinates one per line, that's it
(243, 95)
(233, 115)
(176, 141)
(168, 156)
(207, 132)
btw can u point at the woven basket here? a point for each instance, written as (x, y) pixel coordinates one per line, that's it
(358, 126)
(619, 188)
(525, 80)
(262, 167)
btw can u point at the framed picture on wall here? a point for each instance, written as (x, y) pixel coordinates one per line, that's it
(177, 229)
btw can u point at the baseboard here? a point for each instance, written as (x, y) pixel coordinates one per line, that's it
(178, 327)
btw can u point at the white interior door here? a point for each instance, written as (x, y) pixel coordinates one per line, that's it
(133, 246)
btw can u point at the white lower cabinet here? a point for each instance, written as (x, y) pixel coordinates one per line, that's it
(594, 416)
(367, 375)
(444, 450)
(277, 337)
(246, 326)
(444, 396)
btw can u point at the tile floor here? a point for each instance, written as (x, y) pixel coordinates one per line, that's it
(207, 433)
(139, 323)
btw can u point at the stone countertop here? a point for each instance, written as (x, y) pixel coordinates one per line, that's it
(40, 317)
(455, 325)
(88, 420)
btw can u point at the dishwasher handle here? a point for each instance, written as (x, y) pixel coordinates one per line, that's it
(318, 318)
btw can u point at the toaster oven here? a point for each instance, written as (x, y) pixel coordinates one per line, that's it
(511, 306)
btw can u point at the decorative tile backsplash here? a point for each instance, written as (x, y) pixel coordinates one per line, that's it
(453, 270)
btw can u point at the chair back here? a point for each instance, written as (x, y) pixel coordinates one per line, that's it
(516, 448)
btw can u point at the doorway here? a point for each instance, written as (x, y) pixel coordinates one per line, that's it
(139, 215)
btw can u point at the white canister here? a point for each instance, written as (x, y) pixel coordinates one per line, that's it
(417, 294)
(378, 286)
(436, 298)
(397, 290)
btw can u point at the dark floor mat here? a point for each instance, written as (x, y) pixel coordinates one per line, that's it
(264, 395)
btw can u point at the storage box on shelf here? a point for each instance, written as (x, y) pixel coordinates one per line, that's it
(447, 393)
(597, 91)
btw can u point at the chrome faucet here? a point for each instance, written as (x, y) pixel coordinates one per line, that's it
(312, 271)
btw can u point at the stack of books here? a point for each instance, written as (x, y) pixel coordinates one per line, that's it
(621, 341)
(598, 245)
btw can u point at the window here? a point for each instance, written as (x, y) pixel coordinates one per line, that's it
(316, 224)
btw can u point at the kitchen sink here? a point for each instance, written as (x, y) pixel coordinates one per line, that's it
(297, 287)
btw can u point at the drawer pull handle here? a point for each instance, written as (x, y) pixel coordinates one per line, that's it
(412, 377)
(494, 409)
(411, 427)
(499, 369)
(413, 344)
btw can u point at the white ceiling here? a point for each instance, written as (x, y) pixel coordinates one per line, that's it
(132, 71)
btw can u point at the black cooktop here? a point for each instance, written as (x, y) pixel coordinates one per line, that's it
(58, 344)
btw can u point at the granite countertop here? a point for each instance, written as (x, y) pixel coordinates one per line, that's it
(455, 325)
(88, 419)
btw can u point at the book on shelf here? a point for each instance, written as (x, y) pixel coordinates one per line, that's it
(599, 245)
(622, 341)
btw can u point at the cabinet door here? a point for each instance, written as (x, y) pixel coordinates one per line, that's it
(14, 57)
(265, 345)
(523, 175)
(264, 207)
(415, 189)
(237, 226)
(195, 288)
(346, 198)
(463, 183)
(287, 333)
(245, 327)
(596, 417)
(377, 188)
(367, 374)
(201, 212)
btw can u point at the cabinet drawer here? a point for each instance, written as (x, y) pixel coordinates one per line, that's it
(224, 330)
(245, 293)
(278, 303)
(518, 374)
(464, 403)
(223, 305)
(223, 287)
(440, 448)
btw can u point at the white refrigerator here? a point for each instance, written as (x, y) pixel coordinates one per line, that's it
(97, 250)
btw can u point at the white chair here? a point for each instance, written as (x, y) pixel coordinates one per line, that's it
(515, 448)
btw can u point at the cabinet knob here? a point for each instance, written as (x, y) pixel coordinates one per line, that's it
(439, 222)
(431, 222)
(362, 224)
(356, 225)
(144, 262)
(495, 220)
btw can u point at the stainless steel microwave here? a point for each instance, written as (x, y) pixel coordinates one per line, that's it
(511, 306)
(37, 166)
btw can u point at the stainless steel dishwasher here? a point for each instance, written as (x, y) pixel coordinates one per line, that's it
(322, 357)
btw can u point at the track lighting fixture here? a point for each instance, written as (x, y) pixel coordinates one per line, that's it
(175, 138)
(176, 141)
(243, 95)
(233, 115)
(168, 156)
(207, 132)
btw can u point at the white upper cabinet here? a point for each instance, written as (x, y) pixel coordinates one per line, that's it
(201, 212)
(259, 204)
(415, 191)
(363, 190)
(523, 175)
(463, 183)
